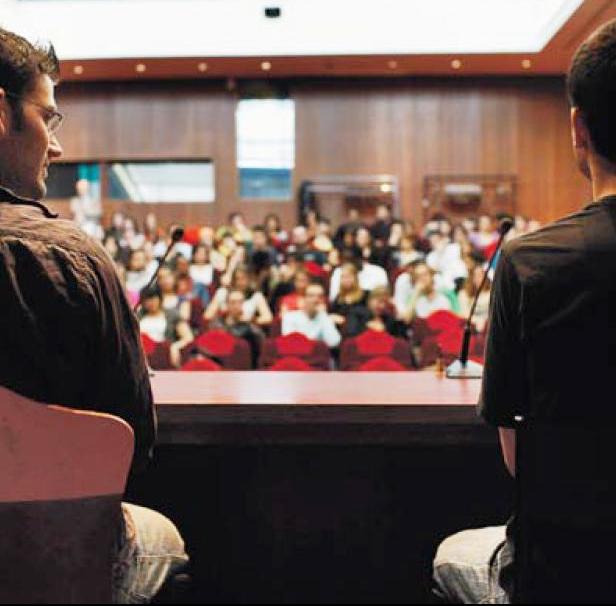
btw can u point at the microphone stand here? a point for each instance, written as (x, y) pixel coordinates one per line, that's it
(463, 368)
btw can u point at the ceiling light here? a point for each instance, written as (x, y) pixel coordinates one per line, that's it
(78, 70)
(140, 67)
(266, 66)
(526, 63)
(202, 67)
(456, 64)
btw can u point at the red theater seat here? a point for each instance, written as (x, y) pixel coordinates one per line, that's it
(373, 344)
(314, 353)
(197, 364)
(380, 364)
(291, 363)
(158, 353)
(233, 353)
(444, 321)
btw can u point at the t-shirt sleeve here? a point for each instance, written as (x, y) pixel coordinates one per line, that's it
(503, 385)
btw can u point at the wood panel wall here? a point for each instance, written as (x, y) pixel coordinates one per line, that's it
(401, 127)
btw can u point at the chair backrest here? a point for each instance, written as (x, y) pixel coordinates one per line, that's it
(62, 480)
(565, 513)
(291, 363)
(355, 351)
(297, 345)
(201, 364)
(233, 352)
(382, 364)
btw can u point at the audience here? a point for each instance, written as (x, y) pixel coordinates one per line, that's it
(255, 282)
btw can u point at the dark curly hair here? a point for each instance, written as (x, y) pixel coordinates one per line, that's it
(20, 64)
(591, 86)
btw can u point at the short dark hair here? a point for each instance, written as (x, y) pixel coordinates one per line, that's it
(150, 292)
(591, 86)
(20, 64)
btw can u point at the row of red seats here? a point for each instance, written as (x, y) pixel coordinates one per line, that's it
(440, 335)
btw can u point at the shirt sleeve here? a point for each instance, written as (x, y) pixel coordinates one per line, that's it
(330, 333)
(121, 375)
(504, 378)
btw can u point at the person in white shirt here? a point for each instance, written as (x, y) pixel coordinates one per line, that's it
(446, 261)
(370, 276)
(312, 321)
(425, 299)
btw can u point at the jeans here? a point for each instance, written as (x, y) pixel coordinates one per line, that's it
(151, 550)
(467, 567)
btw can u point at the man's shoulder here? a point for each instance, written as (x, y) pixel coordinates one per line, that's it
(559, 244)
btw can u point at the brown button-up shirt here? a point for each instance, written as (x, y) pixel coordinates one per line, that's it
(67, 332)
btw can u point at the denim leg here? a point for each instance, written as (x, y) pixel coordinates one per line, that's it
(152, 551)
(467, 566)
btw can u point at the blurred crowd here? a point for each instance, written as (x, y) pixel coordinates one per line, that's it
(327, 282)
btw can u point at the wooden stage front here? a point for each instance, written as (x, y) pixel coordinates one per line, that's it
(320, 487)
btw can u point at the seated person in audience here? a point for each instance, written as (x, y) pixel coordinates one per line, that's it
(312, 321)
(382, 225)
(370, 275)
(255, 306)
(130, 237)
(406, 253)
(171, 301)
(446, 261)
(261, 247)
(300, 243)
(295, 300)
(485, 234)
(373, 250)
(138, 273)
(233, 322)
(276, 236)
(322, 241)
(378, 315)
(467, 295)
(201, 269)
(350, 297)
(350, 226)
(163, 325)
(425, 299)
(201, 272)
(294, 261)
(239, 230)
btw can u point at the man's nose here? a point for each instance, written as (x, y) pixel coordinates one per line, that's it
(55, 149)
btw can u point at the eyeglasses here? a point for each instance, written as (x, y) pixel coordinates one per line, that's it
(53, 119)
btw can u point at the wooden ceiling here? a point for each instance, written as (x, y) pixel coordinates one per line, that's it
(552, 60)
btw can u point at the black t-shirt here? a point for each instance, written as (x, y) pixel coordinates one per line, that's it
(552, 331)
(551, 349)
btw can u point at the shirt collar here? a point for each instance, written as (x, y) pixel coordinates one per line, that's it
(8, 196)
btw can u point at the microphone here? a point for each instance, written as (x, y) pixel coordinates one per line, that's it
(463, 368)
(177, 233)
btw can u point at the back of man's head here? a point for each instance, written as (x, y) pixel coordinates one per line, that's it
(591, 86)
(20, 64)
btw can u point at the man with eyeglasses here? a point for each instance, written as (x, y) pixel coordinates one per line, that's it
(68, 335)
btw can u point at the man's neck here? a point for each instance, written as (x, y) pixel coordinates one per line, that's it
(603, 178)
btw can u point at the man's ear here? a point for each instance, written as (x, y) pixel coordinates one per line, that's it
(579, 130)
(5, 115)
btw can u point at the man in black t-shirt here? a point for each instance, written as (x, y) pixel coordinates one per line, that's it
(552, 348)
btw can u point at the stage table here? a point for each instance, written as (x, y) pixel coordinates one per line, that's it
(320, 487)
(314, 407)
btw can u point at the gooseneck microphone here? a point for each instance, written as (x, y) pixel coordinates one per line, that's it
(463, 368)
(176, 235)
